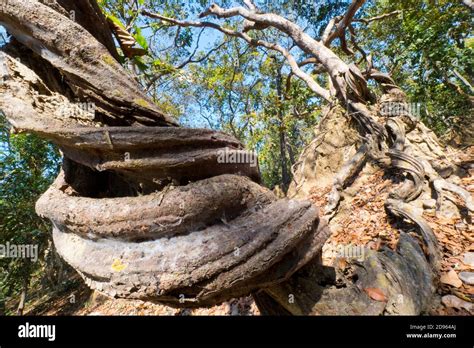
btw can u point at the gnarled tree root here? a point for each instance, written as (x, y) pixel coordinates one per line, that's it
(401, 281)
(403, 278)
(151, 211)
(190, 245)
(200, 267)
(142, 209)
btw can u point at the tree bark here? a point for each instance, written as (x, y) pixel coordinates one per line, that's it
(24, 292)
(147, 210)
(142, 209)
(285, 175)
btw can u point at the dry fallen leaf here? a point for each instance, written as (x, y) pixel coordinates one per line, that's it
(468, 236)
(341, 263)
(376, 294)
(451, 278)
(455, 302)
(469, 290)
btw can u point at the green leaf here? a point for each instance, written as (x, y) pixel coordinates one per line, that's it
(115, 20)
(140, 63)
(140, 38)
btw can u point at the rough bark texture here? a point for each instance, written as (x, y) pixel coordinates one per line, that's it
(88, 67)
(407, 276)
(365, 128)
(142, 209)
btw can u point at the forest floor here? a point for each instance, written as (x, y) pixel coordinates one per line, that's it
(367, 224)
(77, 299)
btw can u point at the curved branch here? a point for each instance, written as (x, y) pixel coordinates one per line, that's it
(377, 18)
(344, 22)
(335, 66)
(189, 60)
(312, 84)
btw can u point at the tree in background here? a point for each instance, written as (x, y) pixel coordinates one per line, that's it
(28, 166)
(429, 50)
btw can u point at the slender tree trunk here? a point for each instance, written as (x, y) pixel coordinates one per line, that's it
(23, 294)
(2, 306)
(285, 175)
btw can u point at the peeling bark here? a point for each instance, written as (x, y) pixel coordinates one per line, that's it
(147, 210)
(86, 64)
(142, 209)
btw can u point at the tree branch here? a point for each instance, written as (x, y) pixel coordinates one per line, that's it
(335, 66)
(344, 22)
(329, 28)
(250, 5)
(318, 70)
(377, 18)
(312, 84)
(463, 80)
(189, 60)
(469, 3)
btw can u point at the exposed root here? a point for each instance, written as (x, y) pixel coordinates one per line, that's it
(347, 172)
(406, 277)
(441, 185)
(143, 209)
(402, 209)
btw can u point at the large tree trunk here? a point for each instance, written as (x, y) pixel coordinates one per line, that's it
(365, 134)
(144, 209)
